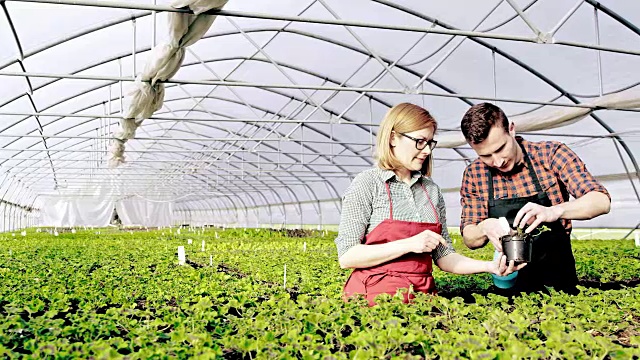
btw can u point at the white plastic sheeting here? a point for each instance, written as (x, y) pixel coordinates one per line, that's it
(543, 119)
(141, 212)
(97, 210)
(67, 212)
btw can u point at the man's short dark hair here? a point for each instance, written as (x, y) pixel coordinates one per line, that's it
(479, 119)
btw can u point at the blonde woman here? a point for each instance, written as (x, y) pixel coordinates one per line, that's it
(393, 220)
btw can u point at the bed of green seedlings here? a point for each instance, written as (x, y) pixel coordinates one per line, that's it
(106, 293)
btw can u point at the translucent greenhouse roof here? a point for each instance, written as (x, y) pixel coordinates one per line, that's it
(278, 104)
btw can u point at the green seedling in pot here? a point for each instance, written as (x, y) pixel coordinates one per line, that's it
(540, 229)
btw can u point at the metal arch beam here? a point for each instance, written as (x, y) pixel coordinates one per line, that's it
(308, 72)
(267, 160)
(29, 85)
(300, 33)
(236, 176)
(235, 206)
(626, 23)
(246, 209)
(633, 159)
(264, 145)
(181, 98)
(205, 208)
(221, 169)
(533, 71)
(295, 176)
(209, 207)
(636, 30)
(352, 48)
(249, 184)
(122, 5)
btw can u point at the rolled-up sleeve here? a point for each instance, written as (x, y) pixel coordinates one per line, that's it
(357, 207)
(441, 250)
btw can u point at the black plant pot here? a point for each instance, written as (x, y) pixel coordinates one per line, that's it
(517, 248)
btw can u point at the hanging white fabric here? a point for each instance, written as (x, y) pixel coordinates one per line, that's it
(68, 210)
(148, 94)
(135, 211)
(553, 117)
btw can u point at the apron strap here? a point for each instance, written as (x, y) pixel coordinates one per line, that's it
(532, 173)
(435, 211)
(386, 184)
(430, 202)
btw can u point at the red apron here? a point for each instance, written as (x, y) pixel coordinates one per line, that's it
(410, 271)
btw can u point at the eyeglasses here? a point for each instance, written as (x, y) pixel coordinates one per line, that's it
(422, 143)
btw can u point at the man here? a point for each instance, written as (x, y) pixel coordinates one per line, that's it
(529, 183)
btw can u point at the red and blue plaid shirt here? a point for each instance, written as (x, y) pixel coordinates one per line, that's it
(560, 171)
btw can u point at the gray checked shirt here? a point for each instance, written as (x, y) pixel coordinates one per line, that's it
(365, 205)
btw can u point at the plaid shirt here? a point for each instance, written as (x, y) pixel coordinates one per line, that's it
(365, 205)
(559, 170)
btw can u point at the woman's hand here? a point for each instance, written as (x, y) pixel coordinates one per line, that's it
(424, 242)
(499, 266)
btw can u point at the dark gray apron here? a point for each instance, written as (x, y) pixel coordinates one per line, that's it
(552, 263)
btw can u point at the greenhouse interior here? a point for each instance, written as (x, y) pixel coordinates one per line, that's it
(154, 122)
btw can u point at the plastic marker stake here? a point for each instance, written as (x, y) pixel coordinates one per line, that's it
(285, 276)
(178, 231)
(203, 245)
(55, 233)
(217, 237)
(189, 241)
(73, 231)
(24, 233)
(10, 252)
(637, 238)
(182, 258)
(304, 247)
(13, 234)
(210, 260)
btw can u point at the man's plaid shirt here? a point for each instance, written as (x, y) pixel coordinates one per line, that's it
(559, 170)
(365, 205)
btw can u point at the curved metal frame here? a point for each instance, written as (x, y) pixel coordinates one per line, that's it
(306, 102)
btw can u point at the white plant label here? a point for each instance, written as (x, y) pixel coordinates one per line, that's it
(182, 257)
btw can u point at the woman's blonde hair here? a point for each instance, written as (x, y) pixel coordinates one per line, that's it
(402, 118)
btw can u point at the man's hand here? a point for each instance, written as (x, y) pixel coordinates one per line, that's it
(493, 230)
(425, 241)
(499, 266)
(534, 215)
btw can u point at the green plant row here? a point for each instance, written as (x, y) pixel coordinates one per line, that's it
(117, 294)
